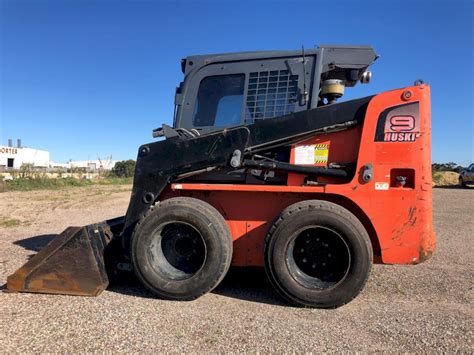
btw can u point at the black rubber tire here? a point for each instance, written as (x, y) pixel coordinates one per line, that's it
(462, 183)
(148, 263)
(283, 271)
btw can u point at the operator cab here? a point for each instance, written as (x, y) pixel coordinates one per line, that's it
(226, 90)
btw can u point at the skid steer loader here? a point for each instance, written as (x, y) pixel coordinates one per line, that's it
(264, 167)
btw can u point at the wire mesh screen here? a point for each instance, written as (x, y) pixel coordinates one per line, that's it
(271, 94)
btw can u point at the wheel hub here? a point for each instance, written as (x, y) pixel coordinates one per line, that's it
(183, 247)
(318, 257)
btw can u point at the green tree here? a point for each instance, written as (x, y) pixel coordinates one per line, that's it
(451, 166)
(124, 168)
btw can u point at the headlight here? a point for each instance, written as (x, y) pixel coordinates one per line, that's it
(366, 76)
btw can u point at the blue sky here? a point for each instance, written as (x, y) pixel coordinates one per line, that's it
(91, 78)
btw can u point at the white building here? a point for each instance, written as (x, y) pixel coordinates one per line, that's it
(93, 165)
(14, 157)
(55, 165)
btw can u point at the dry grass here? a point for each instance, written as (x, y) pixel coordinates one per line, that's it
(59, 183)
(445, 178)
(9, 222)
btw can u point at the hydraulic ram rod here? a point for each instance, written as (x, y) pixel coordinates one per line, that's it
(281, 166)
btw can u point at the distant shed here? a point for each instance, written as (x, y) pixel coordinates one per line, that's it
(14, 157)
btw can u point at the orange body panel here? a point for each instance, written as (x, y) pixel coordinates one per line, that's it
(397, 218)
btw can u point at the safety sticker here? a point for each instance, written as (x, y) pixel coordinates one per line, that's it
(321, 153)
(304, 154)
(312, 154)
(381, 185)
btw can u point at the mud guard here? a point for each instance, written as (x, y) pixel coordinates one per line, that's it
(73, 263)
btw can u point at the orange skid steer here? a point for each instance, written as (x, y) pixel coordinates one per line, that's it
(263, 167)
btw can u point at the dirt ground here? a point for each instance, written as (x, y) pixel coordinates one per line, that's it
(428, 307)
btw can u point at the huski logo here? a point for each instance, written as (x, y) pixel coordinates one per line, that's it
(400, 129)
(399, 124)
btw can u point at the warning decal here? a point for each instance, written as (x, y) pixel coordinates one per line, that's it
(321, 153)
(381, 185)
(304, 154)
(312, 154)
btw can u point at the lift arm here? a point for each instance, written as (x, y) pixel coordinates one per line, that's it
(160, 163)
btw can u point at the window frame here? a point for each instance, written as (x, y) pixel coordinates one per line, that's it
(196, 101)
(192, 83)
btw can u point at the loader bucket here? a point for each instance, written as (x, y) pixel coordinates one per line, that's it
(71, 264)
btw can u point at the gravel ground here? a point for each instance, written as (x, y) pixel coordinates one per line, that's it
(428, 307)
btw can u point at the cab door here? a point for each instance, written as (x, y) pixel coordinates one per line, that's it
(224, 95)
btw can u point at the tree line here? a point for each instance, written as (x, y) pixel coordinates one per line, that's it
(451, 166)
(123, 168)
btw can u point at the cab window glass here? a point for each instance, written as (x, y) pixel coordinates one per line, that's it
(219, 101)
